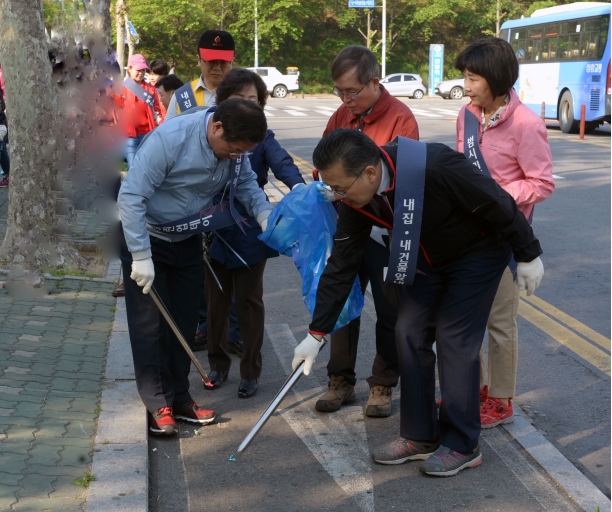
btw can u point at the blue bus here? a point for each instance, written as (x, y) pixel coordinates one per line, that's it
(564, 62)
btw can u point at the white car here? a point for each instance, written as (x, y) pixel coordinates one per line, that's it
(277, 83)
(450, 89)
(404, 84)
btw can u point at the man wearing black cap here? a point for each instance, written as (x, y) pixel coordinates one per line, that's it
(215, 55)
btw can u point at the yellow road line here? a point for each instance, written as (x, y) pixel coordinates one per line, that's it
(579, 327)
(565, 336)
(300, 162)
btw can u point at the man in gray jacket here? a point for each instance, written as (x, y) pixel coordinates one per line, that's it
(176, 172)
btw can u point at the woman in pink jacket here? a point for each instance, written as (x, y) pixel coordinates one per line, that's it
(505, 138)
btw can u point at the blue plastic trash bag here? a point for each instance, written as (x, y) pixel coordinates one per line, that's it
(302, 226)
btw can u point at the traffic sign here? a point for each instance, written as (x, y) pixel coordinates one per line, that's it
(363, 4)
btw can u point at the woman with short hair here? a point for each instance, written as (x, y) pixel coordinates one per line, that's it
(246, 283)
(503, 137)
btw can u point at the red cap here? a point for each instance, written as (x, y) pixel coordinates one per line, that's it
(216, 45)
(137, 62)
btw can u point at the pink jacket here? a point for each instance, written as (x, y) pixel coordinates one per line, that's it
(516, 152)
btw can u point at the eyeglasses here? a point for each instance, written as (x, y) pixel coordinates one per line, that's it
(342, 195)
(347, 95)
(235, 154)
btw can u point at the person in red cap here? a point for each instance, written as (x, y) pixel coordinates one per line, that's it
(141, 105)
(215, 55)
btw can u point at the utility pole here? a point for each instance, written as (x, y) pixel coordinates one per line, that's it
(497, 20)
(256, 39)
(384, 38)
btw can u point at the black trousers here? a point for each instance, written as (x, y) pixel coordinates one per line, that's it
(160, 362)
(343, 350)
(450, 305)
(247, 286)
(234, 333)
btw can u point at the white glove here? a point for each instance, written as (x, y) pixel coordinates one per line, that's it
(327, 194)
(306, 351)
(3, 132)
(529, 275)
(262, 218)
(297, 185)
(143, 272)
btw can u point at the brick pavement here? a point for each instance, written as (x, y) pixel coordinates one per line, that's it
(52, 363)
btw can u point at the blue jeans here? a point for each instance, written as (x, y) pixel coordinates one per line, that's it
(4, 157)
(131, 146)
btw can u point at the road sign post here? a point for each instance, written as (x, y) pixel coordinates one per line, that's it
(436, 67)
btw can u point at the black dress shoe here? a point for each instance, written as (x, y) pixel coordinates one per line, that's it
(216, 379)
(235, 347)
(247, 388)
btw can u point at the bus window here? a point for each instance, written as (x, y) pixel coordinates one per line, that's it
(603, 36)
(573, 46)
(571, 27)
(549, 48)
(589, 45)
(520, 50)
(592, 25)
(551, 30)
(504, 34)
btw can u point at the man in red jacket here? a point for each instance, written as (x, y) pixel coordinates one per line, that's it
(141, 105)
(368, 107)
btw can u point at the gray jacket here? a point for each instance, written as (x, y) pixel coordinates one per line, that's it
(174, 174)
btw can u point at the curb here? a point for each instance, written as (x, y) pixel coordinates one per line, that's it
(120, 463)
(579, 488)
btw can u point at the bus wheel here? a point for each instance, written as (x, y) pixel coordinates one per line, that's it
(566, 114)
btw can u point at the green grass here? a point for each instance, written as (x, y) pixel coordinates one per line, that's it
(112, 310)
(85, 480)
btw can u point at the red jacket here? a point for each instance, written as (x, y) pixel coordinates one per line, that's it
(139, 119)
(388, 119)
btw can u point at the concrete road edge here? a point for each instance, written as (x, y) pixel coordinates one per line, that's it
(120, 461)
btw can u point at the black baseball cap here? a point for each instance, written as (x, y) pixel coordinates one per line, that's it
(216, 45)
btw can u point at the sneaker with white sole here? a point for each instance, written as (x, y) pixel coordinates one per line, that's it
(495, 412)
(162, 422)
(193, 414)
(446, 462)
(403, 450)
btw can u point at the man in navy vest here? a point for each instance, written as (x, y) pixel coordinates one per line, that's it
(466, 229)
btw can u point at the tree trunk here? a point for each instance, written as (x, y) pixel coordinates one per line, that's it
(102, 21)
(120, 13)
(31, 240)
(497, 20)
(130, 37)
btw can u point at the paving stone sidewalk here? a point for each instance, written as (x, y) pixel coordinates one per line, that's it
(53, 355)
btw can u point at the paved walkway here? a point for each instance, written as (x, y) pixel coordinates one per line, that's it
(51, 369)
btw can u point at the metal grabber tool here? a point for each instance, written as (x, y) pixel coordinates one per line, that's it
(282, 393)
(164, 311)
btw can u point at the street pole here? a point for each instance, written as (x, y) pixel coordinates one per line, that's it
(256, 39)
(384, 39)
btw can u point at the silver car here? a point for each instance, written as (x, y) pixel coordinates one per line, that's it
(404, 84)
(450, 89)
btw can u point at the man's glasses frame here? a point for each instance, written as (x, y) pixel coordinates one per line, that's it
(347, 95)
(342, 195)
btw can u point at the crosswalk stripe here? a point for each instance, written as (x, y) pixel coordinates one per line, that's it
(424, 113)
(268, 107)
(324, 112)
(299, 108)
(267, 114)
(326, 108)
(295, 113)
(446, 111)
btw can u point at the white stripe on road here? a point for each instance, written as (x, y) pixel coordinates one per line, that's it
(268, 107)
(324, 112)
(418, 112)
(295, 113)
(327, 108)
(267, 114)
(446, 111)
(338, 441)
(556, 177)
(298, 108)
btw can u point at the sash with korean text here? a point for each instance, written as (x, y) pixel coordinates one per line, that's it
(139, 92)
(408, 210)
(185, 98)
(211, 219)
(471, 149)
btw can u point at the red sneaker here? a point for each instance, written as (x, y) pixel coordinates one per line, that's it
(484, 394)
(193, 414)
(162, 422)
(494, 412)
(5, 182)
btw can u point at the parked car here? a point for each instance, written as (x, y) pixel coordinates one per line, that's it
(404, 84)
(450, 89)
(277, 83)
